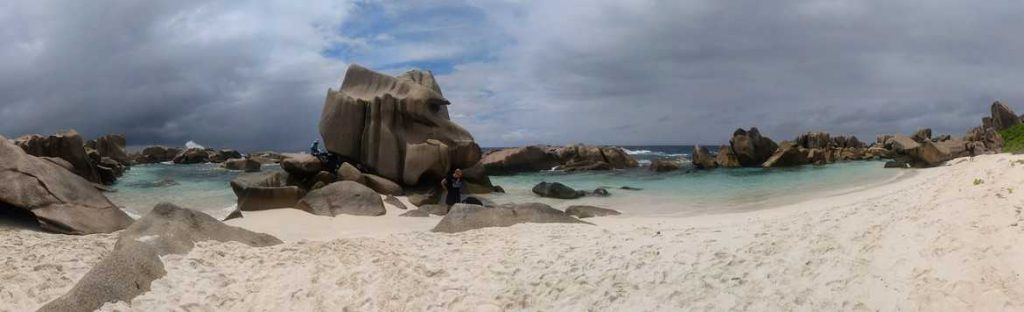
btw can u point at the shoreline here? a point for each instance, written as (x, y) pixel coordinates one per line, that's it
(927, 240)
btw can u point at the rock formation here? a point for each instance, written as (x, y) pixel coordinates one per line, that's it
(382, 122)
(134, 263)
(556, 190)
(702, 158)
(344, 197)
(243, 164)
(267, 190)
(155, 154)
(751, 149)
(60, 201)
(664, 165)
(67, 145)
(111, 146)
(1003, 117)
(463, 217)
(519, 159)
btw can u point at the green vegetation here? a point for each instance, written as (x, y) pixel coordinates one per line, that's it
(1013, 139)
(978, 181)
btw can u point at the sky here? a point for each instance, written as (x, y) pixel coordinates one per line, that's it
(253, 75)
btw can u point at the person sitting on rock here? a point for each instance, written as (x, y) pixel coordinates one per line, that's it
(453, 185)
(315, 149)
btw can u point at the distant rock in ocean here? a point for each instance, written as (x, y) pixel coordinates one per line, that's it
(665, 165)
(576, 157)
(556, 190)
(751, 149)
(58, 199)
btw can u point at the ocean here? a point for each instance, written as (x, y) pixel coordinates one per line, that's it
(205, 187)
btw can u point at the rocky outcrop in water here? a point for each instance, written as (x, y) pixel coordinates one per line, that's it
(751, 149)
(204, 155)
(382, 123)
(665, 165)
(155, 154)
(134, 263)
(58, 199)
(702, 158)
(576, 157)
(557, 190)
(242, 164)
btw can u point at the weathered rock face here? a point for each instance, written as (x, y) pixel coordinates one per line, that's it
(155, 154)
(302, 165)
(556, 190)
(751, 148)
(990, 140)
(726, 158)
(1003, 117)
(375, 120)
(426, 162)
(67, 145)
(463, 217)
(344, 197)
(61, 201)
(111, 146)
(519, 159)
(581, 211)
(818, 140)
(788, 154)
(665, 165)
(134, 263)
(702, 158)
(268, 190)
(244, 164)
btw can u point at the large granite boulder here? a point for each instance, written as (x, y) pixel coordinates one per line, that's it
(267, 190)
(929, 154)
(344, 197)
(664, 165)
(111, 146)
(67, 145)
(726, 158)
(751, 148)
(901, 144)
(702, 158)
(60, 201)
(302, 165)
(1003, 116)
(134, 263)
(582, 211)
(243, 164)
(788, 154)
(556, 190)
(519, 159)
(348, 172)
(382, 185)
(374, 119)
(464, 217)
(155, 154)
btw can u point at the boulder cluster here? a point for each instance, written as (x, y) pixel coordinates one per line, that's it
(576, 157)
(101, 160)
(50, 191)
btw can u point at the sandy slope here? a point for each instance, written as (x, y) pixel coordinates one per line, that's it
(36, 267)
(935, 241)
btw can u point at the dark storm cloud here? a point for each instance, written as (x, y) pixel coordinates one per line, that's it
(253, 75)
(163, 72)
(855, 67)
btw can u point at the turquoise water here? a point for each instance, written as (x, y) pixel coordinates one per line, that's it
(206, 187)
(203, 187)
(701, 192)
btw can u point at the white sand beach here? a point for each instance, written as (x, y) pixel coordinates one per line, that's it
(949, 238)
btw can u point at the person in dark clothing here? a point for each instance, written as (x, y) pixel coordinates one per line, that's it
(453, 185)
